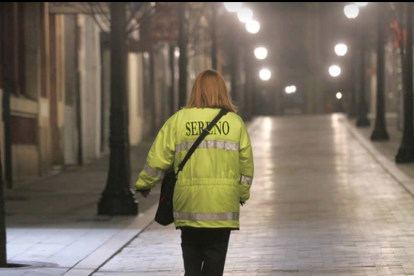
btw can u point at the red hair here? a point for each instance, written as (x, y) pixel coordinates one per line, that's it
(210, 91)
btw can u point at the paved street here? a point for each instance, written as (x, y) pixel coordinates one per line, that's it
(320, 205)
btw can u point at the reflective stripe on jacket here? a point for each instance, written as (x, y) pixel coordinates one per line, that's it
(218, 175)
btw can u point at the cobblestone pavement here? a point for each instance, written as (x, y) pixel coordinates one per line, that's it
(320, 205)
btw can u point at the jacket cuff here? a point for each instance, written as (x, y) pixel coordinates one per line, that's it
(141, 185)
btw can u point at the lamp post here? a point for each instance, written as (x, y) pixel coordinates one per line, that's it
(406, 151)
(352, 96)
(3, 239)
(214, 62)
(265, 74)
(183, 61)
(335, 71)
(234, 51)
(253, 26)
(260, 53)
(234, 69)
(380, 130)
(117, 198)
(361, 4)
(4, 59)
(290, 89)
(362, 117)
(351, 12)
(233, 6)
(245, 15)
(248, 100)
(7, 91)
(341, 49)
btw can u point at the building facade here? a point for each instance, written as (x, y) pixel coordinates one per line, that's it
(58, 74)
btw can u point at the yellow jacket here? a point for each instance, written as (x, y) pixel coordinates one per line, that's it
(218, 175)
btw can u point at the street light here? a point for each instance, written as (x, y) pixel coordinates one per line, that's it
(341, 49)
(253, 27)
(245, 15)
(260, 52)
(361, 4)
(339, 95)
(351, 11)
(233, 6)
(117, 198)
(290, 89)
(265, 74)
(335, 71)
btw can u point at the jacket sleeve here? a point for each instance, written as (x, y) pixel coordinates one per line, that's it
(160, 157)
(246, 165)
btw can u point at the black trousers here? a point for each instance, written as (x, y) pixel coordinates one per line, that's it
(204, 251)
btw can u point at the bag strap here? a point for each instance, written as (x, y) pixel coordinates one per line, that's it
(200, 139)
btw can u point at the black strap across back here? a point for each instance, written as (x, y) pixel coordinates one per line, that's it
(203, 135)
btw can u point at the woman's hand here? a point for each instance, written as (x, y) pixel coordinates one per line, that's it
(145, 193)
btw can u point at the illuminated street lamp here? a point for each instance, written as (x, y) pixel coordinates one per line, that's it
(351, 11)
(361, 4)
(341, 49)
(245, 15)
(290, 89)
(253, 27)
(260, 52)
(339, 95)
(233, 6)
(265, 74)
(335, 71)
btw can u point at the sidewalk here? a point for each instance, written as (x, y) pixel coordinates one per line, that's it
(389, 148)
(52, 223)
(321, 204)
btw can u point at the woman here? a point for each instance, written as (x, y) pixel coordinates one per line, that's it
(213, 183)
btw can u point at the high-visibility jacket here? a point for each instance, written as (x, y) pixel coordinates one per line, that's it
(218, 175)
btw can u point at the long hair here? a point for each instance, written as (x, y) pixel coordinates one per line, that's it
(210, 91)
